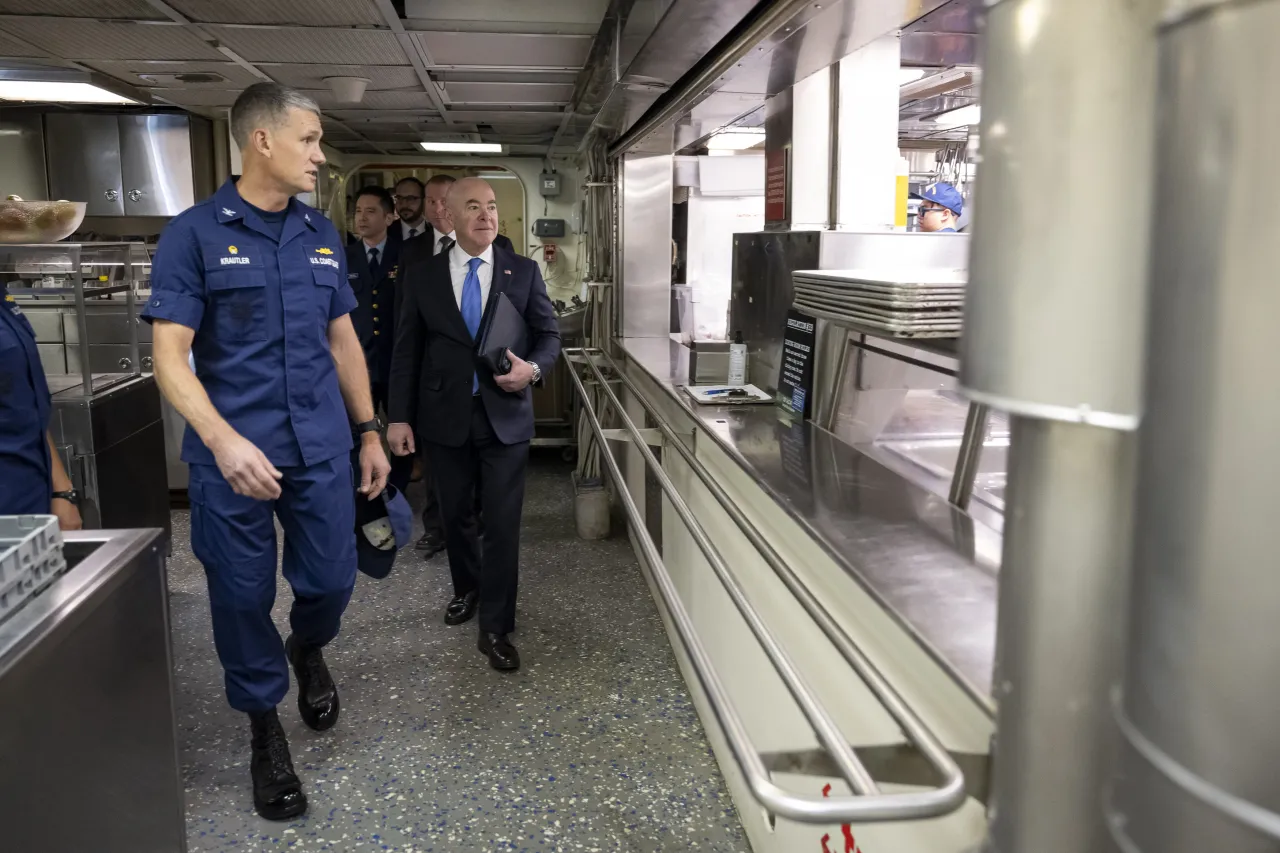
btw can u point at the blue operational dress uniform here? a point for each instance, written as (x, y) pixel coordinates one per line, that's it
(25, 484)
(260, 290)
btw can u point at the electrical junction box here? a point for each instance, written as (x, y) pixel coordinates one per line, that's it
(548, 228)
(549, 185)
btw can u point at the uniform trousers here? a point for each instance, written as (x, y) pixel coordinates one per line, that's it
(234, 537)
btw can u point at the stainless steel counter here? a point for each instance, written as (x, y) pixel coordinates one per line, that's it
(88, 736)
(930, 565)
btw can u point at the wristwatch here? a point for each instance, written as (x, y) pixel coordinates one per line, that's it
(374, 425)
(71, 496)
(537, 373)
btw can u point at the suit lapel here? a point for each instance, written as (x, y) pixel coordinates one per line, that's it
(502, 273)
(439, 283)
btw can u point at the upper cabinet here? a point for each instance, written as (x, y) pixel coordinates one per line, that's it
(121, 165)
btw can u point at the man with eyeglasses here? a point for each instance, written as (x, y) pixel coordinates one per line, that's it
(940, 207)
(409, 196)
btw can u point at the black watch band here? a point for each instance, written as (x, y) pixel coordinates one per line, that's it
(374, 425)
(71, 496)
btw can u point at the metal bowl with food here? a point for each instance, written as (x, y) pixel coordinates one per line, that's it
(38, 221)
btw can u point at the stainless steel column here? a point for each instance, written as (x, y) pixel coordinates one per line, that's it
(1201, 757)
(1054, 336)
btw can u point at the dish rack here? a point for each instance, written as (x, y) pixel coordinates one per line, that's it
(30, 558)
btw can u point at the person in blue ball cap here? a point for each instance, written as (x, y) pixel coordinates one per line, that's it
(940, 207)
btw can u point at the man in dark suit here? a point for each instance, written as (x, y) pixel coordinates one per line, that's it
(435, 235)
(476, 426)
(371, 271)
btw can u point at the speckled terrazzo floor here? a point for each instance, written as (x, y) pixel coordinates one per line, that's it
(592, 746)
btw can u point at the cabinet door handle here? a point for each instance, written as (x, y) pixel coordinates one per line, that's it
(125, 364)
(146, 362)
(134, 195)
(112, 195)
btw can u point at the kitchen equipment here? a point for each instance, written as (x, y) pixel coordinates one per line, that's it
(39, 221)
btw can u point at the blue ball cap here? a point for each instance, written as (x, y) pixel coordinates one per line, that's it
(945, 195)
(384, 525)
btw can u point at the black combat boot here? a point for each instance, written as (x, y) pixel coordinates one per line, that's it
(317, 694)
(277, 793)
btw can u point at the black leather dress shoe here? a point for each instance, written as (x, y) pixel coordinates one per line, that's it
(277, 793)
(502, 655)
(461, 609)
(430, 544)
(317, 694)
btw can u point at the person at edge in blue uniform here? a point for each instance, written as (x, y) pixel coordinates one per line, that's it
(940, 207)
(372, 263)
(254, 284)
(32, 479)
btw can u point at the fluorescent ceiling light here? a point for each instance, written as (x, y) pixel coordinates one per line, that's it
(463, 147)
(909, 75)
(958, 118)
(735, 139)
(498, 176)
(58, 92)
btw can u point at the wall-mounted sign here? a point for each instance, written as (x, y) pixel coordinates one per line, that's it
(775, 185)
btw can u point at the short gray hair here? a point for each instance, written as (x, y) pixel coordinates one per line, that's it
(265, 105)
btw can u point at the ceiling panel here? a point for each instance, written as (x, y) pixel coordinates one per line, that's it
(523, 11)
(198, 97)
(314, 45)
(313, 13)
(505, 49)
(129, 10)
(509, 93)
(14, 47)
(83, 40)
(466, 75)
(130, 72)
(312, 76)
(375, 101)
(358, 115)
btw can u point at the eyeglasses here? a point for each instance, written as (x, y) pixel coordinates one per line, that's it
(924, 210)
(407, 197)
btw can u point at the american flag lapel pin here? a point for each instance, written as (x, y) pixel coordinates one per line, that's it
(508, 272)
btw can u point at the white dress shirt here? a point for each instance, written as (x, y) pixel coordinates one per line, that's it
(381, 248)
(421, 228)
(458, 265)
(437, 236)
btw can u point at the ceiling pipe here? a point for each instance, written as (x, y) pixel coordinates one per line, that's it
(695, 84)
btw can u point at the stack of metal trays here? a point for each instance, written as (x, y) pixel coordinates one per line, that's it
(895, 303)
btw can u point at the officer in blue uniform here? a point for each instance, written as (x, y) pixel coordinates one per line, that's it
(940, 207)
(253, 283)
(372, 263)
(32, 479)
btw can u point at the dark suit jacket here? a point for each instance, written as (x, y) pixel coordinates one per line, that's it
(375, 326)
(434, 356)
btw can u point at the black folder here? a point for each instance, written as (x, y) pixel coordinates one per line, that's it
(503, 328)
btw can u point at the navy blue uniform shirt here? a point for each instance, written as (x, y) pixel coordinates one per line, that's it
(24, 417)
(260, 306)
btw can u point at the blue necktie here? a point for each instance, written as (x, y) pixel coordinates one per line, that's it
(472, 309)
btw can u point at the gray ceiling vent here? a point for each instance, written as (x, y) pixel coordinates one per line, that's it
(188, 78)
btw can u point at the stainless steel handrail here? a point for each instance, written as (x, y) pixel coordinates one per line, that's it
(869, 804)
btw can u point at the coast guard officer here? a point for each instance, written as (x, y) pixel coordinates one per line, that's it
(32, 479)
(253, 282)
(372, 262)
